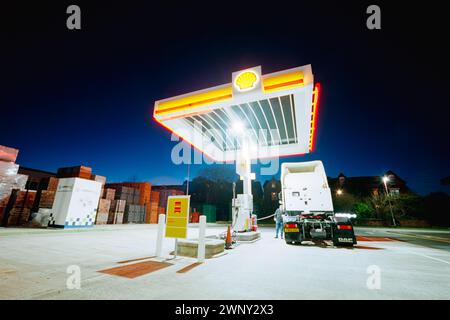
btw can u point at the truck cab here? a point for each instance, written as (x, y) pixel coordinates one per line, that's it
(308, 207)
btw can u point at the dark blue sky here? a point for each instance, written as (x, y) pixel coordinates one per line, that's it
(86, 97)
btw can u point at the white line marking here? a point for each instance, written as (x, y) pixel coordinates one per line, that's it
(432, 258)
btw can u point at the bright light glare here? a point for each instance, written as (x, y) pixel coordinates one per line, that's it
(339, 192)
(345, 215)
(238, 127)
(385, 179)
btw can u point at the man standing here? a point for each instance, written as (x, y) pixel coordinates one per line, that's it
(278, 217)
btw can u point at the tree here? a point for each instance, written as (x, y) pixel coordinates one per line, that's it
(344, 202)
(213, 186)
(380, 204)
(403, 206)
(407, 205)
(218, 173)
(364, 209)
(445, 181)
(436, 208)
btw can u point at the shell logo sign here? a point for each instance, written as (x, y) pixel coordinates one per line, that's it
(246, 81)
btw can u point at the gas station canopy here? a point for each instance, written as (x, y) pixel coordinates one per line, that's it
(276, 111)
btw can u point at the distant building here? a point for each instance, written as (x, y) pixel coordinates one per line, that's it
(367, 186)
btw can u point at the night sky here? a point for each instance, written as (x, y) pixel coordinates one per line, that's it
(86, 97)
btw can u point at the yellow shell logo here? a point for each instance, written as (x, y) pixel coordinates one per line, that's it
(246, 80)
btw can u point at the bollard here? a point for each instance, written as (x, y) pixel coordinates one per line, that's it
(159, 236)
(201, 239)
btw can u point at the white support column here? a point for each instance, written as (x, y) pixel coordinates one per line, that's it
(201, 239)
(244, 202)
(160, 235)
(244, 166)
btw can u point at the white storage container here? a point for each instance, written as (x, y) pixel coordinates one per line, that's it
(76, 203)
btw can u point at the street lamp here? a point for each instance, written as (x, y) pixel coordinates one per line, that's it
(339, 192)
(385, 181)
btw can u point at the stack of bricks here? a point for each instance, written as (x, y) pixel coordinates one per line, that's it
(134, 213)
(46, 196)
(135, 193)
(9, 179)
(130, 195)
(101, 179)
(52, 184)
(21, 209)
(75, 172)
(116, 211)
(109, 194)
(103, 211)
(152, 209)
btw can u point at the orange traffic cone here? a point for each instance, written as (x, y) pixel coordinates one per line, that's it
(228, 242)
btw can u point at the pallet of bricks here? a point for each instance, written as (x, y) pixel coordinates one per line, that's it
(131, 193)
(103, 211)
(142, 211)
(116, 212)
(145, 189)
(104, 203)
(110, 211)
(21, 204)
(9, 181)
(75, 172)
(134, 213)
(154, 204)
(164, 194)
(46, 195)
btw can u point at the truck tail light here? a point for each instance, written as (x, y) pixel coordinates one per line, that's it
(291, 225)
(344, 227)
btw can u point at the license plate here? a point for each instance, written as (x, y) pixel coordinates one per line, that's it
(346, 240)
(291, 230)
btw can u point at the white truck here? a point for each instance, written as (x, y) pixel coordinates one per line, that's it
(306, 202)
